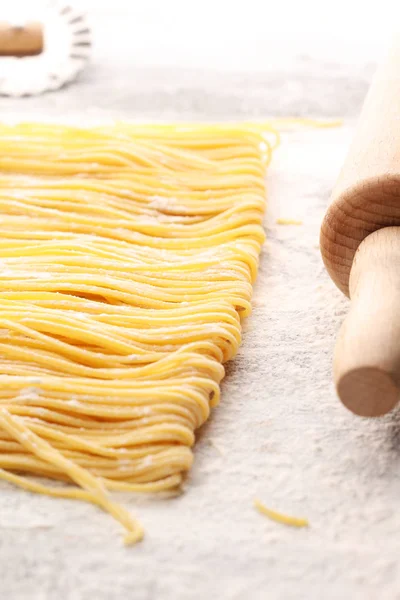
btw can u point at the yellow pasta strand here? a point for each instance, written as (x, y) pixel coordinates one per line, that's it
(286, 221)
(279, 517)
(127, 258)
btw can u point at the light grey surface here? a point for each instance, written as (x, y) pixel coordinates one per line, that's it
(305, 86)
(279, 433)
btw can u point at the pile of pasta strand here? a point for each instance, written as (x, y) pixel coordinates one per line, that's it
(127, 258)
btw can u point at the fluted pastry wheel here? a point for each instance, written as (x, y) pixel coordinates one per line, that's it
(43, 46)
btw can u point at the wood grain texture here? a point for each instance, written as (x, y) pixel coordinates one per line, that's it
(367, 194)
(365, 204)
(21, 41)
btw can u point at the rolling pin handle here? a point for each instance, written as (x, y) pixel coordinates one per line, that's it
(367, 354)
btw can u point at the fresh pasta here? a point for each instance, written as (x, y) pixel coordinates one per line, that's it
(280, 517)
(127, 258)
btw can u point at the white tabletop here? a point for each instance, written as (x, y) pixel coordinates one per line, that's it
(279, 433)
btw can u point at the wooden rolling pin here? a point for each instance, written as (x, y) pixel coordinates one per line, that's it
(360, 245)
(21, 40)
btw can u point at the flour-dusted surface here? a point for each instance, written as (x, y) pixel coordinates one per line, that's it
(279, 433)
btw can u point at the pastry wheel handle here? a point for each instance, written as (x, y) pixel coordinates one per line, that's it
(21, 40)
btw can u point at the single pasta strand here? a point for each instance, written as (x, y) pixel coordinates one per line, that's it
(280, 517)
(289, 221)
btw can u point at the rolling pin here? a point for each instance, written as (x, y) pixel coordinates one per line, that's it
(21, 40)
(360, 245)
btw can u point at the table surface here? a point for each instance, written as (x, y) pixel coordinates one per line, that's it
(280, 433)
